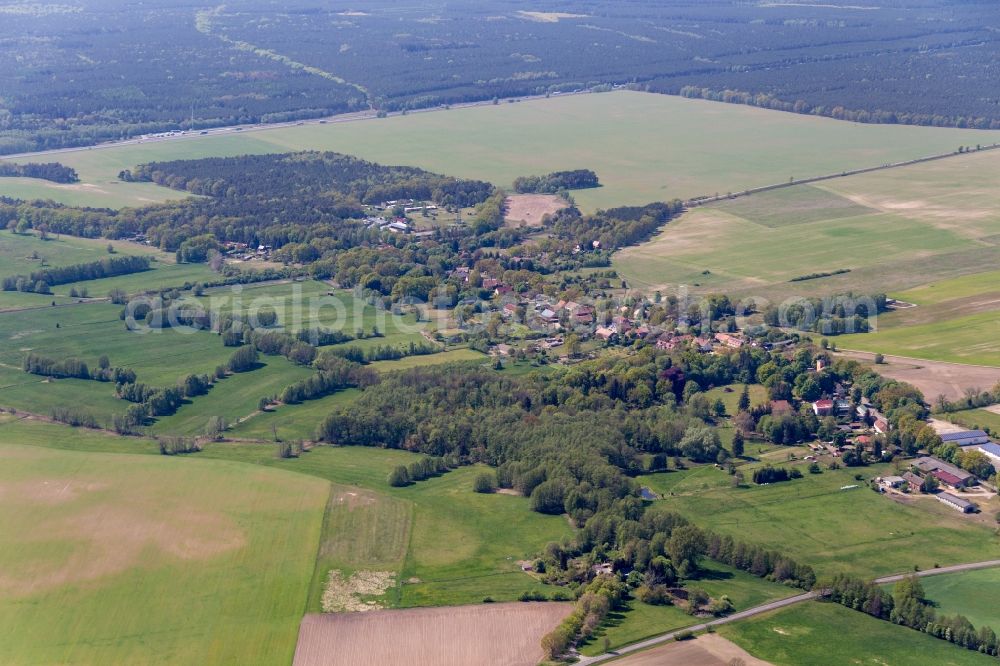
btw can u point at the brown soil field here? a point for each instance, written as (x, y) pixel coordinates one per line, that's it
(489, 634)
(530, 208)
(933, 378)
(706, 650)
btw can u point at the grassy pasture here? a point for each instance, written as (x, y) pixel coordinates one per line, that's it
(292, 422)
(975, 418)
(234, 398)
(159, 357)
(826, 633)
(854, 531)
(970, 593)
(17, 251)
(144, 559)
(644, 147)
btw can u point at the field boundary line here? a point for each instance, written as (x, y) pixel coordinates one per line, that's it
(920, 360)
(701, 201)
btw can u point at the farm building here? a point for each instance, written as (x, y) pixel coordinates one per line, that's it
(913, 479)
(990, 450)
(956, 503)
(944, 472)
(893, 481)
(966, 438)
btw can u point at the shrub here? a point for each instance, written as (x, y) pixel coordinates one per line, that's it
(485, 483)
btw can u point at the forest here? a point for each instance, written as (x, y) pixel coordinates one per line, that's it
(930, 62)
(53, 171)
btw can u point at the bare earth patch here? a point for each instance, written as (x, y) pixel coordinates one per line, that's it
(486, 635)
(933, 378)
(529, 209)
(354, 594)
(706, 650)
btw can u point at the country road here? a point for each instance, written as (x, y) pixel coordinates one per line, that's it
(764, 608)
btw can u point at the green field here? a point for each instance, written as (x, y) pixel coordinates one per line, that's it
(938, 216)
(20, 254)
(825, 633)
(367, 525)
(234, 398)
(974, 419)
(970, 593)
(640, 621)
(853, 531)
(144, 559)
(644, 147)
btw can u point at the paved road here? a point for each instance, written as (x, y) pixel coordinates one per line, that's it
(774, 605)
(988, 564)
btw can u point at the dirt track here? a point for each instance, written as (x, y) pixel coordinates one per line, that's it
(706, 650)
(933, 378)
(488, 634)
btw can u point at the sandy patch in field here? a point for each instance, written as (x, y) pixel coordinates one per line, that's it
(486, 635)
(352, 499)
(108, 539)
(529, 209)
(48, 491)
(706, 650)
(933, 378)
(349, 594)
(993, 409)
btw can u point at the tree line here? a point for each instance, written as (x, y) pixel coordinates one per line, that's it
(52, 171)
(39, 281)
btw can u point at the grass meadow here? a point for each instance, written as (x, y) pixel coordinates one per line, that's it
(20, 254)
(826, 633)
(970, 593)
(145, 559)
(974, 419)
(644, 147)
(852, 531)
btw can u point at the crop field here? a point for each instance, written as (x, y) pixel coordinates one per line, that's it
(970, 593)
(939, 216)
(507, 634)
(145, 559)
(644, 147)
(705, 650)
(827, 633)
(641, 621)
(836, 530)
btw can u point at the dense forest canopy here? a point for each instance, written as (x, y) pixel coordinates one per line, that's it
(188, 67)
